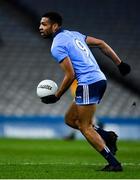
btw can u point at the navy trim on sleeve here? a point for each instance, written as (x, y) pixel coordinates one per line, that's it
(62, 60)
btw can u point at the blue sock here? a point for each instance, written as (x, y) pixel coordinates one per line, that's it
(103, 133)
(109, 157)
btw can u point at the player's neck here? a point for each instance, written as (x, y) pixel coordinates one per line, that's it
(58, 31)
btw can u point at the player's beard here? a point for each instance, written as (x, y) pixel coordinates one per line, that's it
(47, 35)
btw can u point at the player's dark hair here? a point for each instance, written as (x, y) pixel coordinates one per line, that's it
(54, 17)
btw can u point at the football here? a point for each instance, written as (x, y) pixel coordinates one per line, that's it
(46, 88)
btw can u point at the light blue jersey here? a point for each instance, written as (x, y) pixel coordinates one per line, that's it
(72, 44)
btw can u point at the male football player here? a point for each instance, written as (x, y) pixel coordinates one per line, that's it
(71, 51)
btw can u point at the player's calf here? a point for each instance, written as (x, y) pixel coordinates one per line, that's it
(109, 137)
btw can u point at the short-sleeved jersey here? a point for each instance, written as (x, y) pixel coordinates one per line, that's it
(72, 44)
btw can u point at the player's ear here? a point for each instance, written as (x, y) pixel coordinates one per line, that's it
(55, 27)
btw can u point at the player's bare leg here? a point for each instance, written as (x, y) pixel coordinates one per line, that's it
(71, 116)
(80, 117)
(84, 123)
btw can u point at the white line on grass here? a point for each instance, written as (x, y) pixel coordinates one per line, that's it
(61, 163)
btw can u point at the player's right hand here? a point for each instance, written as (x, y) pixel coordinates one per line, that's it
(124, 68)
(49, 99)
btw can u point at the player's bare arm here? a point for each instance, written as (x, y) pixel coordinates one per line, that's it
(69, 76)
(106, 49)
(66, 82)
(124, 68)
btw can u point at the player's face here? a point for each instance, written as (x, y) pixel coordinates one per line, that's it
(46, 27)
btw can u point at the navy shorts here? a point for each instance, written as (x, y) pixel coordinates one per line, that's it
(91, 93)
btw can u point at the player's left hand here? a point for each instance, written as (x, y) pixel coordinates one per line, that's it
(124, 68)
(49, 99)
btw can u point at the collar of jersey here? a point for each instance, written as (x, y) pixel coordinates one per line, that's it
(58, 31)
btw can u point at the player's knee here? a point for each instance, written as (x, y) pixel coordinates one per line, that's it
(80, 125)
(68, 121)
(83, 127)
(71, 124)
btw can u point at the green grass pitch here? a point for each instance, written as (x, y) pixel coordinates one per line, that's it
(59, 159)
